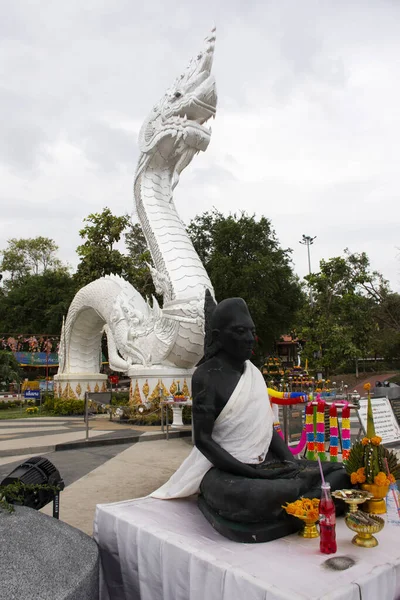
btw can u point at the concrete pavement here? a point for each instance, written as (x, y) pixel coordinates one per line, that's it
(97, 472)
(46, 434)
(133, 473)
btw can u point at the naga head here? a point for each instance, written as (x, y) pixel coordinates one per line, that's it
(176, 126)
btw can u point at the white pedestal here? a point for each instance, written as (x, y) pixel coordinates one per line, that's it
(177, 417)
(72, 386)
(146, 384)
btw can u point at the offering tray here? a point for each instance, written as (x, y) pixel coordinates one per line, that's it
(364, 537)
(352, 497)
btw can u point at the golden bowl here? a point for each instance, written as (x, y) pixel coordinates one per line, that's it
(364, 537)
(310, 527)
(377, 503)
(352, 497)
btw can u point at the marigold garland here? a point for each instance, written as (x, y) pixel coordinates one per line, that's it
(305, 508)
(321, 429)
(333, 433)
(346, 441)
(310, 432)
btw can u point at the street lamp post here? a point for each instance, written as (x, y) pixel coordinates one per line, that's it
(307, 240)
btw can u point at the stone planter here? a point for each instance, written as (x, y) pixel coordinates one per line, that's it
(44, 558)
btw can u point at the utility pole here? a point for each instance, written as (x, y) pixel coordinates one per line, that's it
(308, 241)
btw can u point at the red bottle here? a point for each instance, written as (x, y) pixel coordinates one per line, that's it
(327, 521)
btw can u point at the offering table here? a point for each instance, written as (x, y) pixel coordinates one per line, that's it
(166, 550)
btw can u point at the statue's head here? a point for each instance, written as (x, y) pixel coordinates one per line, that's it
(233, 329)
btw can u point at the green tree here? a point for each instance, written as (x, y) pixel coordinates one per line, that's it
(9, 368)
(340, 325)
(98, 255)
(29, 256)
(139, 276)
(243, 258)
(36, 303)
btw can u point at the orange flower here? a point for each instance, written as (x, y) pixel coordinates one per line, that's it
(365, 441)
(376, 440)
(367, 387)
(354, 478)
(313, 514)
(381, 479)
(361, 475)
(391, 478)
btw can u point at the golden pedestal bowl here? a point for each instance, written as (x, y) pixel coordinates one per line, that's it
(310, 527)
(377, 503)
(352, 497)
(364, 537)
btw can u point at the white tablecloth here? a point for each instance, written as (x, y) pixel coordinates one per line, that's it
(166, 550)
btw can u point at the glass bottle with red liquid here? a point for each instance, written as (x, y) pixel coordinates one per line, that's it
(327, 521)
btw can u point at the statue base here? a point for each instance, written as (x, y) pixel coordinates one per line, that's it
(72, 386)
(149, 386)
(249, 533)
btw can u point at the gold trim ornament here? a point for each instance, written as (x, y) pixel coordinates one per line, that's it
(136, 397)
(131, 393)
(173, 388)
(68, 393)
(96, 388)
(185, 389)
(146, 389)
(78, 390)
(155, 394)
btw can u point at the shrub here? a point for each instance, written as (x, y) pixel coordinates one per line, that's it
(48, 404)
(153, 419)
(69, 407)
(31, 410)
(120, 399)
(10, 404)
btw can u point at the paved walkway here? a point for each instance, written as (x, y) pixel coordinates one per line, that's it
(47, 434)
(372, 378)
(95, 472)
(133, 473)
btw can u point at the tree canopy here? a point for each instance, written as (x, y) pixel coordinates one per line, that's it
(351, 314)
(9, 368)
(30, 256)
(354, 313)
(37, 303)
(98, 255)
(243, 258)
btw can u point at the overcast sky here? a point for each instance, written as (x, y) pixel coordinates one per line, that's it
(306, 133)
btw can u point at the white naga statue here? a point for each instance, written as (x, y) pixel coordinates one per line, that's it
(145, 338)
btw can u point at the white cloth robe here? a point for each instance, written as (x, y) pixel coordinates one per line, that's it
(243, 428)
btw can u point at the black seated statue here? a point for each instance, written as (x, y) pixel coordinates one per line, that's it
(253, 473)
